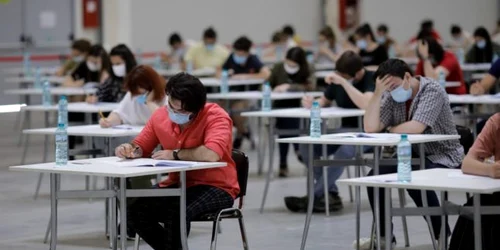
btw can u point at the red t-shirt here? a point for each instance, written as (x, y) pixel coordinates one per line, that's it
(211, 128)
(455, 74)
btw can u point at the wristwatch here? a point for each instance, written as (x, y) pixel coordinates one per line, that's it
(176, 154)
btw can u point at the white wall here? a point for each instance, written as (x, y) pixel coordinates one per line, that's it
(153, 20)
(404, 16)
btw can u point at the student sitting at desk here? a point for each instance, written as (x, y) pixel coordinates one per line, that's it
(188, 129)
(351, 87)
(292, 75)
(243, 65)
(482, 159)
(405, 104)
(94, 69)
(178, 49)
(329, 48)
(461, 39)
(370, 51)
(79, 50)
(484, 50)
(293, 39)
(383, 38)
(112, 89)
(277, 49)
(488, 81)
(434, 60)
(207, 54)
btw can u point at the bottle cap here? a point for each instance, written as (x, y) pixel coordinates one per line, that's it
(404, 136)
(63, 97)
(60, 125)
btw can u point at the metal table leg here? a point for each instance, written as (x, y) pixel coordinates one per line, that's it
(53, 210)
(443, 239)
(123, 214)
(388, 219)
(325, 171)
(113, 234)
(358, 199)
(46, 139)
(477, 222)
(183, 211)
(259, 150)
(376, 153)
(270, 167)
(424, 197)
(310, 195)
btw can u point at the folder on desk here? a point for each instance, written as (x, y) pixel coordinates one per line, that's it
(146, 162)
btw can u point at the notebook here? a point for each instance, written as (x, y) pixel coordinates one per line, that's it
(146, 162)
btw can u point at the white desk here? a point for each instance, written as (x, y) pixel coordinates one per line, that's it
(475, 66)
(31, 80)
(197, 72)
(478, 76)
(95, 167)
(82, 107)
(471, 99)
(376, 140)
(215, 82)
(68, 91)
(410, 60)
(257, 95)
(444, 180)
(324, 66)
(32, 71)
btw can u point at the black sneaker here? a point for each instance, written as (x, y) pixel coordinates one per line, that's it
(283, 172)
(335, 203)
(296, 204)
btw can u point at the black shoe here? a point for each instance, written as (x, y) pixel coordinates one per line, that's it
(249, 137)
(335, 203)
(296, 204)
(283, 173)
(237, 142)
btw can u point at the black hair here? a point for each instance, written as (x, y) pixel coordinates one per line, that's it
(427, 24)
(455, 30)
(188, 90)
(483, 55)
(242, 44)
(288, 30)
(127, 56)
(328, 33)
(435, 49)
(392, 67)
(424, 34)
(365, 30)
(98, 51)
(349, 63)
(298, 55)
(210, 33)
(174, 38)
(277, 37)
(82, 45)
(383, 28)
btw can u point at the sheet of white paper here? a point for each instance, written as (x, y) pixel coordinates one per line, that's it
(47, 19)
(145, 162)
(460, 175)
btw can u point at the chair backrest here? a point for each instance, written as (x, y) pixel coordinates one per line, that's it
(466, 137)
(241, 161)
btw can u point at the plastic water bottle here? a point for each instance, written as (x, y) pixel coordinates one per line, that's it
(266, 97)
(442, 79)
(46, 97)
(310, 58)
(157, 63)
(38, 79)
(392, 52)
(315, 122)
(224, 82)
(61, 145)
(189, 67)
(404, 159)
(460, 56)
(26, 64)
(62, 111)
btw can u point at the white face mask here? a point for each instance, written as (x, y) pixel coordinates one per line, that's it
(92, 66)
(291, 70)
(119, 70)
(78, 59)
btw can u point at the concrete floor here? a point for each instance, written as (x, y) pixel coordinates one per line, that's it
(81, 226)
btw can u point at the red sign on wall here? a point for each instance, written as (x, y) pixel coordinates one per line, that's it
(90, 13)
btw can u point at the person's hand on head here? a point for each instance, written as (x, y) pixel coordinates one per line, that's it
(477, 89)
(284, 87)
(105, 123)
(128, 151)
(423, 49)
(383, 84)
(163, 155)
(335, 79)
(307, 101)
(494, 171)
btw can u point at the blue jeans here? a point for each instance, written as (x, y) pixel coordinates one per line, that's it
(339, 152)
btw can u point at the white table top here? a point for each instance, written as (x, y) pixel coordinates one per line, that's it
(196, 72)
(470, 99)
(30, 79)
(20, 70)
(410, 60)
(90, 131)
(375, 139)
(326, 113)
(215, 82)
(76, 107)
(475, 66)
(431, 179)
(324, 66)
(478, 76)
(95, 167)
(257, 95)
(69, 91)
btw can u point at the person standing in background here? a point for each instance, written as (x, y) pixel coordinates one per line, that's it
(79, 50)
(207, 54)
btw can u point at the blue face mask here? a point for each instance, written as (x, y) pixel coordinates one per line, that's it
(142, 98)
(361, 43)
(209, 47)
(481, 44)
(239, 59)
(381, 39)
(400, 94)
(178, 118)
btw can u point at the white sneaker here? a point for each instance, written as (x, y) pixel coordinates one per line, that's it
(364, 243)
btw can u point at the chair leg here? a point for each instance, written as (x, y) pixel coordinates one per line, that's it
(402, 203)
(325, 190)
(219, 231)
(47, 232)
(215, 228)
(363, 170)
(137, 241)
(372, 234)
(243, 232)
(348, 172)
(38, 185)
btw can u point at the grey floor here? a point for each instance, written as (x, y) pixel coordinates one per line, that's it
(81, 223)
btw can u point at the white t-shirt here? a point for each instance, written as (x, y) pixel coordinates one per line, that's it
(132, 112)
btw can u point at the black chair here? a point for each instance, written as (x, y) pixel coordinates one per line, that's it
(466, 137)
(242, 165)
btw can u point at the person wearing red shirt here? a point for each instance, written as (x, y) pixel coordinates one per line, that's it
(434, 60)
(188, 129)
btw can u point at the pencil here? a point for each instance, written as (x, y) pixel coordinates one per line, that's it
(101, 115)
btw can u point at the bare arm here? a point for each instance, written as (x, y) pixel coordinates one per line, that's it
(410, 127)
(472, 165)
(372, 122)
(481, 87)
(70, 82)
(113, 119)
(361, 100)
(200, 153)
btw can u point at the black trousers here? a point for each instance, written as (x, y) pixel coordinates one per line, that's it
(145, 214)
(287, 123)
